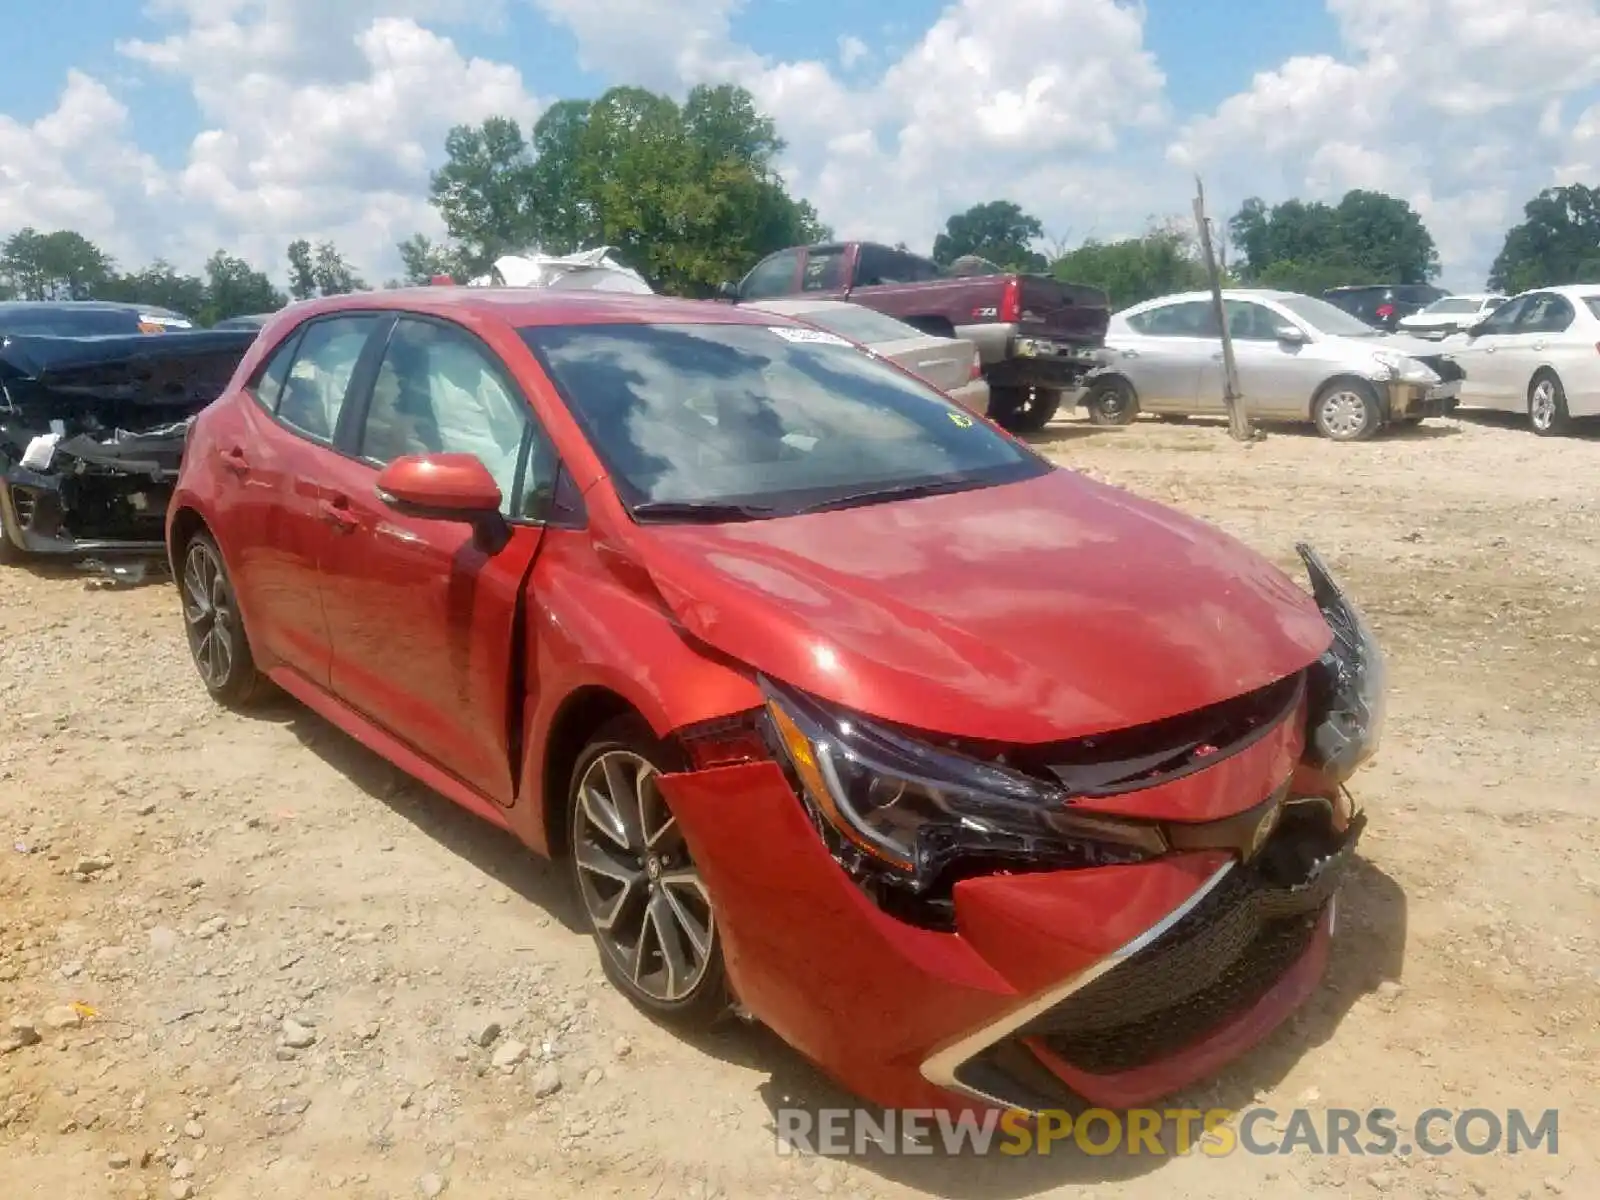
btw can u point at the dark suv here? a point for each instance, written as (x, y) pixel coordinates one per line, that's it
(1382, 305)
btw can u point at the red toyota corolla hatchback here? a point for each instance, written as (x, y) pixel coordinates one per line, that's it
(981, 783)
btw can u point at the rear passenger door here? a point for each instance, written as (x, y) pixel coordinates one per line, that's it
(423, 622)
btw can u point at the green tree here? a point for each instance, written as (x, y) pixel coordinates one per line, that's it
(63, 265)
(160, 285)
(424, 258)
(320, 271)
(302, 272)
(998, 231)
(332, 274)
(1557, 242)
(1160, 263)
(485, 190)
(234, 288)
(689, 195)
(1368, 237)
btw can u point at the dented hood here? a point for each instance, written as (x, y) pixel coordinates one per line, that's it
(1032, 612)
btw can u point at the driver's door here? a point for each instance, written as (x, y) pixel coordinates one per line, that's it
(1486, 381)
(421, 619)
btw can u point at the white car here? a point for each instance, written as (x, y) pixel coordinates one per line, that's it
(1298, 357)
(1538, 353)
(1450, 315)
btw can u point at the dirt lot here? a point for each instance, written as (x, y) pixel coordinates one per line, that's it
(283, 948)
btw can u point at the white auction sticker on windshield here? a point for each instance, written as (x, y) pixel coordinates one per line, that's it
(815, 337)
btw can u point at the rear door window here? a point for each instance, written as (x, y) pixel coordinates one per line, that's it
(773, 276)
(1188, 318)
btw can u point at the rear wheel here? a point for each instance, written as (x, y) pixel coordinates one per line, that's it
(1347, 410)
(1547, 406)
(1110, 402)
(217, 640)
(647, 907)
(1023, 409)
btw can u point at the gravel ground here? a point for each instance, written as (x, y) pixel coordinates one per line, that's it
(242, 956)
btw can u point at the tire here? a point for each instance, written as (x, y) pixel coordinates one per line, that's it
(1547, 406)
(662, 899)
(217, 640)
(1023, 409)
(1347, 410)
(1111, 402)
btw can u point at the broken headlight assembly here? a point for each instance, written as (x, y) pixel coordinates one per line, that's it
(1346, 685)
(909, 814)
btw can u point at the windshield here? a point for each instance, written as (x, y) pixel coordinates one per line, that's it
(860, 324)
(1454, 304)
(1326, 318)
(778, 419)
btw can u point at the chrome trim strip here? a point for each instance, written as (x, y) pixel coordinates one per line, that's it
(941, 1067)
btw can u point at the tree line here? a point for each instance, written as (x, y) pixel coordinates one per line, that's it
(690, 195)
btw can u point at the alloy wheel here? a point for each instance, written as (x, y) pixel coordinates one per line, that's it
(1542, 405)
(643, 894)
(209, 614)
(1344, 413)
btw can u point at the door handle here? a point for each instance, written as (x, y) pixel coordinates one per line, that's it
(1539, 345)
(336, 512)
(1130, 354)
(234, 460)
(1488, 349)
(1217, 357)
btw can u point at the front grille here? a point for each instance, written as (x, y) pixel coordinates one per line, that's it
(1217, 961)
(23, 500)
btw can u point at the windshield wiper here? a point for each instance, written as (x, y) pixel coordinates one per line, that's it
(904, 491)
(709, 511)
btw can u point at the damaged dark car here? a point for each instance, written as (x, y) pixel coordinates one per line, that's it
(92, 431)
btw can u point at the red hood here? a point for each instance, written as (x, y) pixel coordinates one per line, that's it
(1034, 612)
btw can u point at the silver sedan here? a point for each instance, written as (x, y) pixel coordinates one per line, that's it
(1298, 358)
(949, 364)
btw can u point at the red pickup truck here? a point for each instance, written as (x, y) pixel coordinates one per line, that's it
(1037, 337)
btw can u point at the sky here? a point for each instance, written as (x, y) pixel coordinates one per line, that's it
(170, 128)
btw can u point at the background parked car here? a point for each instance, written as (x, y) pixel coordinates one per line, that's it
(1535, 354)
(1384, 305)
(952, 365)
(1299, 359)
(1039, 337)
(86, 318)
(247, 321)
(1450, 315)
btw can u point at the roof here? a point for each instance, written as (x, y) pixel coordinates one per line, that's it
(1227, 294)
(536, 306)
(796, 306)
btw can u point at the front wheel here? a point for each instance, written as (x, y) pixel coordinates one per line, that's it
(1110, 402)
(1023, 409)
(1547, 406)
(217, 640)
(646, 904)
(1347, 410)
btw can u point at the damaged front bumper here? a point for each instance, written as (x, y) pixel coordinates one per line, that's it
(1414, 401)
(94, 497)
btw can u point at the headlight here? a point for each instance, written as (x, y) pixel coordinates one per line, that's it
(1393, 365)
(1347, 704)
(911, 808)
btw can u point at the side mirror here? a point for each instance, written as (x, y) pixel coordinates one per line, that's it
(1292, 335)
(728, 291)
(1473, 330)
(447, 487)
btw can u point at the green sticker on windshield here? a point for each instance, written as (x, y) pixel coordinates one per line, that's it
(961, 419)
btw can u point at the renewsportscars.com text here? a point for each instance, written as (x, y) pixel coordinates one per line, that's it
(1215, 1132)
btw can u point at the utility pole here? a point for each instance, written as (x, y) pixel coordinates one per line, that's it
(1238, 422)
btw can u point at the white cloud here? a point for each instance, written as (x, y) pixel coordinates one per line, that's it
(1455, 105)
(852, 50)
